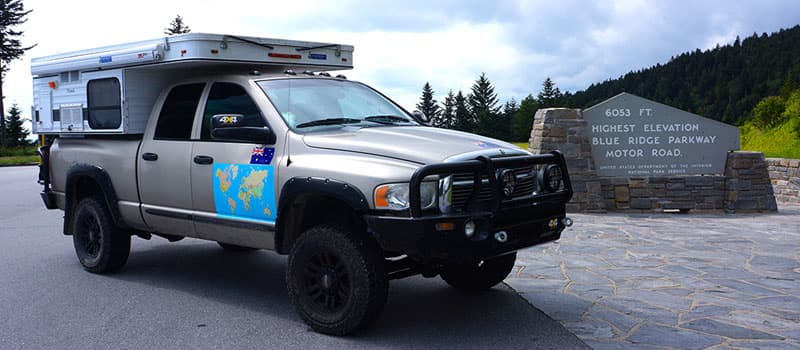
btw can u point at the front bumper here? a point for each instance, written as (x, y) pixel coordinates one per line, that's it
(420, 239)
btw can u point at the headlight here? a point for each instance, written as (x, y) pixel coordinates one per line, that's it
(550, 178)
(395, 196)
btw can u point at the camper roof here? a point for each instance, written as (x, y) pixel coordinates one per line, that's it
(205, 50)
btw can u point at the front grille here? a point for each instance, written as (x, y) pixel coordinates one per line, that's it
(463, 186)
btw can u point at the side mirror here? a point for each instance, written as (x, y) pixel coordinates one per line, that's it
(229, 127)
(226, 121)
(421, 117)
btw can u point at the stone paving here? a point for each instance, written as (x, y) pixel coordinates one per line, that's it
(684, 281)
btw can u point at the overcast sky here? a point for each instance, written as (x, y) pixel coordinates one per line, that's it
(399, 45)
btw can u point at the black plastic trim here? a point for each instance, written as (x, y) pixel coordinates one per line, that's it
(315, 186)
(101, 178)
(209, 220)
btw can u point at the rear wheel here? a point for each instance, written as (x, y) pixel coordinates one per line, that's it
(479, 275)
(336, 280)
(100, 245)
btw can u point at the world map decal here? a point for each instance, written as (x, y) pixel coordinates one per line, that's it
(244, 191)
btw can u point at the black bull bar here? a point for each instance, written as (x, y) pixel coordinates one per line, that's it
(488, 166)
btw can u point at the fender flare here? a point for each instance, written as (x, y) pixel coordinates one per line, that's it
(100, 177)
(316, 186)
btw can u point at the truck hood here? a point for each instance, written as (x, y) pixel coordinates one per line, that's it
(424, 145)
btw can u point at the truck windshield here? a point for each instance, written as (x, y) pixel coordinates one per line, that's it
(324, 103)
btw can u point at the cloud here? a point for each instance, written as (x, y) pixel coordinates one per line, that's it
(401, 45)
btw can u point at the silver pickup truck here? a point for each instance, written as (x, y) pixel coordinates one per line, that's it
(356, 190)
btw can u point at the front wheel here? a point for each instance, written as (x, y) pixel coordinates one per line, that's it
(100, 245)
(336, 279)
(479, 275)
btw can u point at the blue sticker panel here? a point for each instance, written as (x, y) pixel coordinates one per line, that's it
(318, 56)
(262, 155)
(105, 59)
(245, 191)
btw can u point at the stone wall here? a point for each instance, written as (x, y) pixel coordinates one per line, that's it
(747, 183)
(743, 188)
(647, 194)
(785, 176)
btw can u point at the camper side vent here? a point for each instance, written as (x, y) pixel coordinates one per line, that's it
(71, 118)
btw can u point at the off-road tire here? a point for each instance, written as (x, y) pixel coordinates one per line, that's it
(100, 245)
(477, 276)
(336, 279)
(235, 248)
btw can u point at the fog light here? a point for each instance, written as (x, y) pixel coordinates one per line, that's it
(552, 224)
(469, 228)
(567, 222)
(501, 236)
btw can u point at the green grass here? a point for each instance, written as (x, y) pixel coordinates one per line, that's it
(18, 151)
(781, 141)
(523, 145)
(18, 155)
(19, 160)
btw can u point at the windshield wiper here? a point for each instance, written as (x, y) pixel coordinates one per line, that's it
(329, 121)
(387, 119)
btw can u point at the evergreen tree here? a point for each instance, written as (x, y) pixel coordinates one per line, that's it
(427, 104)
(483, 107)
(550, 96)
(506, 127)
(12, 14)
(463, 117)
(177, 27)
(523, 119)
(447, 116)
(16, 135)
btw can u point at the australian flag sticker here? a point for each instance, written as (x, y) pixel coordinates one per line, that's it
(262, 155)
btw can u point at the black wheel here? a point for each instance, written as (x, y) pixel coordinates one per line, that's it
(479, 275)
(100, 245)
(336, 280)
(235, 248)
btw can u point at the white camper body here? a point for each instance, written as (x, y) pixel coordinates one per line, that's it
(112, 89)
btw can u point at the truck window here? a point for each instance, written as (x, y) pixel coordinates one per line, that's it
(177, 114)
(105, 109)
(228, 98)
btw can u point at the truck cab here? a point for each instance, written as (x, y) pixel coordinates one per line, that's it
(354, 188)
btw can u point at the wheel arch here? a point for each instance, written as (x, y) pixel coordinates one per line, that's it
(301, 203)
(86, 180)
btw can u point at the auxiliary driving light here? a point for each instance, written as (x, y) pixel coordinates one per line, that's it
(469, 228)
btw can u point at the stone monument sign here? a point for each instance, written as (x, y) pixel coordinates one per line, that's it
(635, 137)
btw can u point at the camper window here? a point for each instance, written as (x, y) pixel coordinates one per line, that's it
(105, 108)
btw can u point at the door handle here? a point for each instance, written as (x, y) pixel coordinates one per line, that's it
(150, 156)
(203, 160)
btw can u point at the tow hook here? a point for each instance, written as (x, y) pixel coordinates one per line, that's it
(501, 236)
(567, 222)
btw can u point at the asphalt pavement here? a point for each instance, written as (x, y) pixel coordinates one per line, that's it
(192, 294)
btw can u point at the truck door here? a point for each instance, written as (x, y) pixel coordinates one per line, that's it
(233, 182)
(164, 163)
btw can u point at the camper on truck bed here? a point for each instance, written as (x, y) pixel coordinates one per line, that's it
(249, 142)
